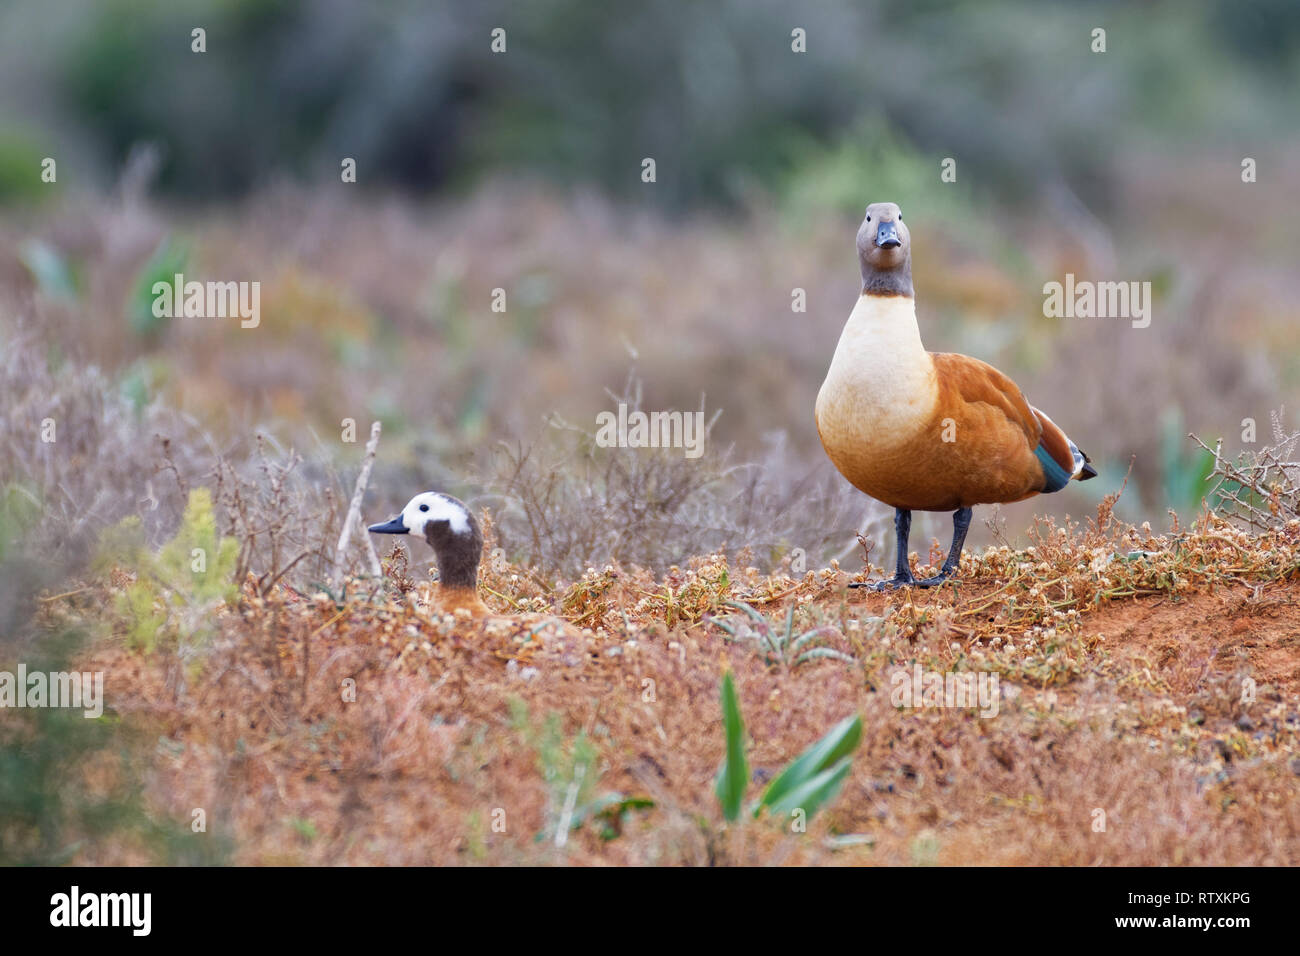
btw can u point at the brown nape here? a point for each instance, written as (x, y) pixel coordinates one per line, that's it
(890, 282)
(458, 555)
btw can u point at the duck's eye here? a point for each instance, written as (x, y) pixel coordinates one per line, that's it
(900, 217)
(424, 507)
(868, 217)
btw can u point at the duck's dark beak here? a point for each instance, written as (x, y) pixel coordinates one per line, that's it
(887, 236)
(392, 526)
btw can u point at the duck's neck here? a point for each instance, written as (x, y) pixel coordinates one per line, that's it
(458, 569)
(887, 282)
(458, 557)
(885, 325)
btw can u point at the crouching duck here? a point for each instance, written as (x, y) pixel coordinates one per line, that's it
(928, 431)
(457, 542)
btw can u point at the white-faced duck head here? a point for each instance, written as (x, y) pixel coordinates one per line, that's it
(451, 530)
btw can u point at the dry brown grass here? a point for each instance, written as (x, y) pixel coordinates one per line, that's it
(1123, 657)
(1260, 489)
(1124, 650)
(379, 308)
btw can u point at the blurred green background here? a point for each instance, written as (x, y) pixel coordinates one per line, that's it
(712, 90)
(521, 170)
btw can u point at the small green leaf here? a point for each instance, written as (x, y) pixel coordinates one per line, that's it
(609, 808)
(838, 744)
(812, 793)
(53, 276)
(827, 653)
(20, 510)
(305, 828)
(168, 259)
(734, 772)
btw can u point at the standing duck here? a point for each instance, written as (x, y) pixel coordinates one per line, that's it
(928, 431)
(453, 533)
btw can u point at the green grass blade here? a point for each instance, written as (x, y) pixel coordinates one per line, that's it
(825, 653)
(838, 744)
(813, 792)
(734, 772)
(803, 639)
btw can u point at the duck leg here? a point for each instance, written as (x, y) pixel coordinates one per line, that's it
(960, 525)
(903, 575)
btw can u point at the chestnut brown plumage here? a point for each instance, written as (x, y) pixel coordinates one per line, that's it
(924, 431)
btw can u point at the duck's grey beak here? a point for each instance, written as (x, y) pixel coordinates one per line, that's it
(392, 526)
(887, 236)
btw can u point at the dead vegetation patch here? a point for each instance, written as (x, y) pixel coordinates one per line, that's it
(1147, 711)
